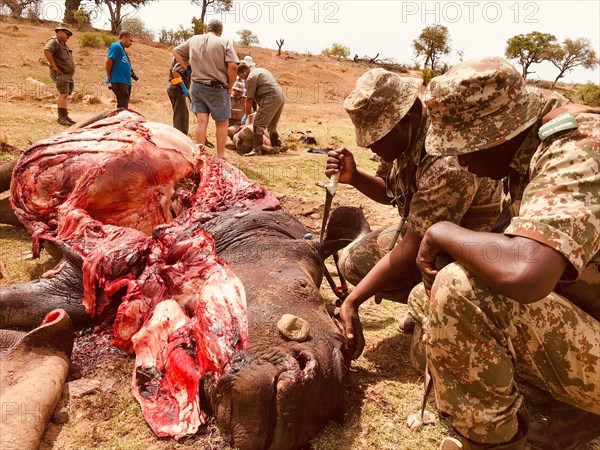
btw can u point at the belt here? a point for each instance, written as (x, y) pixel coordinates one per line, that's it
(215, 86)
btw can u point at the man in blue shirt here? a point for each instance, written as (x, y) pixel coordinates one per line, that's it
(118, 69)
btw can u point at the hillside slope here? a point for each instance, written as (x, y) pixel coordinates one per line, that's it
(314, 86)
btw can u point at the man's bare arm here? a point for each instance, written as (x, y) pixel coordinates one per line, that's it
(181, 60)
(232, 74)
(517, 267)
(50, 58)
(342, 161)
(108, 66)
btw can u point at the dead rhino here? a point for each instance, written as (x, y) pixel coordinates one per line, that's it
(194, 281)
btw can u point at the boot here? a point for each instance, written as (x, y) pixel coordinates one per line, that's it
(62, 117)
(274, 138)
(516, 443)
(567, 428)
(257, 145)
(71, 121)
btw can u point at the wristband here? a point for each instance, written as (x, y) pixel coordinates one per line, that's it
(107, 80)
(243, 121)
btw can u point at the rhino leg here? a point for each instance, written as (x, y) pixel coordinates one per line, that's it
(7, 215)
(32, 375)
(24, 305)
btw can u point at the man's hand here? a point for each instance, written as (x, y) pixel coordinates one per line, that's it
(351, 323)
(57, 70)
(428, 251)
(342, 161)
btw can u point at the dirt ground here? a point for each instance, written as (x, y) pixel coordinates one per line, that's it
(102, 414)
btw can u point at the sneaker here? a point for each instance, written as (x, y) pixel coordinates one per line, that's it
(71, 121)
(64, 121)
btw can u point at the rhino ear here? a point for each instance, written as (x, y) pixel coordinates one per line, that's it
(329, 247)
(59, 249)
(346, 222)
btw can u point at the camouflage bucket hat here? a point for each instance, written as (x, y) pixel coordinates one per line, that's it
(378, 102)
(478, 104)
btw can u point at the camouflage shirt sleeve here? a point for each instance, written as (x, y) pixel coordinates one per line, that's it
(445, 191)
(561, 203)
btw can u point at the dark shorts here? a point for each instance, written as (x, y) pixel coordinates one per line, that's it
(207, 99)
(64, 82)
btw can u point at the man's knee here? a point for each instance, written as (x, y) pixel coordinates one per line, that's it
(452, 283)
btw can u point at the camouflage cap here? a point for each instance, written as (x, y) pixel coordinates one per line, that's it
(378, 102)
(238, 86)
(478, 104)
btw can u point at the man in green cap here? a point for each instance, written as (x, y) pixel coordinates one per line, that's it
(62, 68)
(525, 302)
(390, 119)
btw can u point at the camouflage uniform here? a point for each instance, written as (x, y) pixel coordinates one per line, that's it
(479, 340)
(427, 189)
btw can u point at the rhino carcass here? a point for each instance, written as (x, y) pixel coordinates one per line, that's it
(198, 299)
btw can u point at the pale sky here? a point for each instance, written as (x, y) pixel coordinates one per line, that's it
(387, 27)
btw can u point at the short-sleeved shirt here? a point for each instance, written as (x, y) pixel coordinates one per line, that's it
(62, 55)
(555, 184)
(261, 85)
(208, 55)
(432, 189)
(121, 69)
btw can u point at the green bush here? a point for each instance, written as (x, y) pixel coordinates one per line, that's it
(590, 93)
(88, 39)
(137, 28)
(108, 39)
(337, 51)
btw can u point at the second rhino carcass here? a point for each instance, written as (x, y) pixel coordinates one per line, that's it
(193, 265)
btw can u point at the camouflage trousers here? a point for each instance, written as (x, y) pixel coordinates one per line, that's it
(478, 341)
(358, 258)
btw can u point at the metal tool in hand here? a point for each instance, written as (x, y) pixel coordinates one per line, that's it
(329, 193)
(330, 190)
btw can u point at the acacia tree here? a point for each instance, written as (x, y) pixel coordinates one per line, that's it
(247, 38)
(218, 5)
(432, 43)
(18, 7)
(115, 9)
(573, 53)
(531, 48)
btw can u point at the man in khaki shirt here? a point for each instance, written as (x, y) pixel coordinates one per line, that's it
(62, 68)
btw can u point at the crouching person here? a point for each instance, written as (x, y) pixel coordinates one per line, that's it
(262, 86)
(525, 302)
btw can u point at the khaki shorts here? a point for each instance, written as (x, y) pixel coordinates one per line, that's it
(64, 82)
